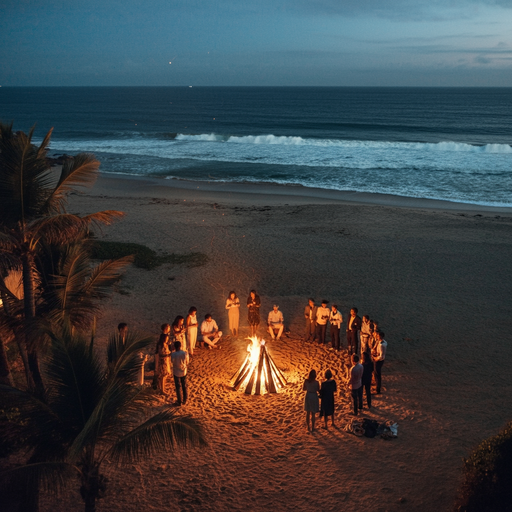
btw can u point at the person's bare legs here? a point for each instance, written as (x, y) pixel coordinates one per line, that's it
(308, 416)
(313, 419)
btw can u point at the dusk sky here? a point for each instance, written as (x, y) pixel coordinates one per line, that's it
(263, 42)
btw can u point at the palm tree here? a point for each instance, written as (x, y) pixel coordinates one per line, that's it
(90, 415)
(32, 213)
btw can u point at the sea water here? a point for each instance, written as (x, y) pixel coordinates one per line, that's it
(439, 143)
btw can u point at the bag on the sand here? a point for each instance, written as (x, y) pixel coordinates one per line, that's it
(370, 427)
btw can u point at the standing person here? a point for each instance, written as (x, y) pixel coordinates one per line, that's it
(327, 390)
(275, 323)
(178, 331)
(365, 334)
(191, 325)
(336, 320)
(353, 326)
(311, 402)
(253, 311)
(122, 329)
(379, 355)
(210, 331)
(233, 307)
(355, 383)
(310, 316)
(322, 317)
(162, 353)
(180, 362)
(368, 367)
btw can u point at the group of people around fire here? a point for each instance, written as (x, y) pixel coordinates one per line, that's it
(365, 344)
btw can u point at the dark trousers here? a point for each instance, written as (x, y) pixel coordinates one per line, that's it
(181, 383)
(320, 333)
(378, 374)
(352, 342)
(357, 398)
(309, 333)
(335, 337)
(368, 391)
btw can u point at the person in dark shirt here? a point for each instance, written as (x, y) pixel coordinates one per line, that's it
(367, 377)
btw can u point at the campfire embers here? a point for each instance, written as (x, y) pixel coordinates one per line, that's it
(258, 374)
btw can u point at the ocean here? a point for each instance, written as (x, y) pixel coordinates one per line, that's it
(438, 143)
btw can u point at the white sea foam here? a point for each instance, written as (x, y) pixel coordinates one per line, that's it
(299, 141)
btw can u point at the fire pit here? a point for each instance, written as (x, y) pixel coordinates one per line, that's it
(258, 374)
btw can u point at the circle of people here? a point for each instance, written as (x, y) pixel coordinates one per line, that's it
(179, 340)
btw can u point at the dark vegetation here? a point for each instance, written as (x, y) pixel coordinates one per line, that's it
(64, 417)
(143, 257)
(487, 485)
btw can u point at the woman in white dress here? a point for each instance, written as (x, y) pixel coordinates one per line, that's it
(191, 325)
(233, 307)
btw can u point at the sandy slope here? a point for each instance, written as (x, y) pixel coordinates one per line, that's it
(437, 281)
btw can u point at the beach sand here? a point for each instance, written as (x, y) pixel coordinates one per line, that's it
(435, 275)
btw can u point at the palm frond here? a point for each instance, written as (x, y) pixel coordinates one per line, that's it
(32, 420)
(80, 171)
(51, 476)
(124, 358)
(106, 217)
(163, 431)
(57, 229)
(76, 380)
(104, 275)
(24, 178)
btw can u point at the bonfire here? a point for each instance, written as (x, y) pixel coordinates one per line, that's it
(258, 374)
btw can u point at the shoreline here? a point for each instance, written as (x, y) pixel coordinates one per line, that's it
(266, 193)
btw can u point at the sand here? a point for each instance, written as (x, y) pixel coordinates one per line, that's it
(435, 275)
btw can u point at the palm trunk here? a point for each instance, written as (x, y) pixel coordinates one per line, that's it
(5, 371)
(29, 306)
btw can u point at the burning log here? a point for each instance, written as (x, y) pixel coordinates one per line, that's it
(258, 374)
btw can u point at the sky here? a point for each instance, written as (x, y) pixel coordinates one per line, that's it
(256, 43)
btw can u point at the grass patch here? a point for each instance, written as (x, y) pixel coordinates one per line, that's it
(144, 257)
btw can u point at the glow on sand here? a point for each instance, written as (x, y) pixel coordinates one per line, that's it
(258, 374)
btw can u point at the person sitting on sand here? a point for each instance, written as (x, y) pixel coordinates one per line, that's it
(327, 390)
(355, 383)
(275, 323)
(311, 402)
(210, 331)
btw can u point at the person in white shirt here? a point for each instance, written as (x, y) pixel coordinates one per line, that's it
(275, 323)
(180, 360)
(210, 331)
(336, 320)
(378, 356)
(322, 317)
(364, 334)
